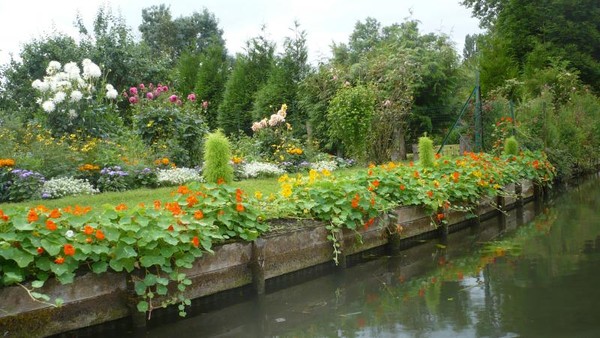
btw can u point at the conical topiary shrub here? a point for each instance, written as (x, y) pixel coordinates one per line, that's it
(511, 147)
(217, 154)
(426, 154)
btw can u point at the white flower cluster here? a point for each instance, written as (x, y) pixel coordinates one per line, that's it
(177, 176)
(322, 165)
(275, 119)
(67, 186)
(69, 85)
(255, 169)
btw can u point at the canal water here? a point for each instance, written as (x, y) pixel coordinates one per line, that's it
(533, 272)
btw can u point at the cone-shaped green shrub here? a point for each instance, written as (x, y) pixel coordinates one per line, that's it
(217, 154)
(511, 147)
(426, 154)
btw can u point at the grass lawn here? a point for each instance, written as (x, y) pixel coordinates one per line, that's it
(147, 196)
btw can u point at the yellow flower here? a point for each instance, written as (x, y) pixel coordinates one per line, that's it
(286, 190)
(326, 172)
(312, 175)
(283, 178)
(258, 194)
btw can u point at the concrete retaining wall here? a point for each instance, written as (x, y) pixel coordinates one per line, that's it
(94, 299)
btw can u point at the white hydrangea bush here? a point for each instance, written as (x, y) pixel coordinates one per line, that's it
(67, 186)
(256, 169)
(178, 176)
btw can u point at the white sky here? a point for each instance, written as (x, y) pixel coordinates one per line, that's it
(324, 21)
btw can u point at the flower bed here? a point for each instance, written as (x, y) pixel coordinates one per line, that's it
(160, 243)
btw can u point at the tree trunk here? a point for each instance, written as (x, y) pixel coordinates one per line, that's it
(398, 151)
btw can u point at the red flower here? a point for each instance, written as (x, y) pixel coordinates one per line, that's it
(416, 174)
(156, 205)
(369, 223)
(50, 225)
(32, 216)
(402, 187)
(440, 216)
(198, 214)
(40, 250)
(375, 183)
(238, 195)
(121, 207)
(455, 176)
(59, 260)
(239, 207)
(430, 194)
(99, 235)
(220, 181)
(191, 200)
(88, 230)
(195, 241)
(355, 201)
(69, 250)
(170, 228)
(182, 189)
(54, 214)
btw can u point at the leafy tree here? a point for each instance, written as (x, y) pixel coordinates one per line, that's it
(211, 78)
(250, 72)
(173, 37)
(350, 115)
(282, 86)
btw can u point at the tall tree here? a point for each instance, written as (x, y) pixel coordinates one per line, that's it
(250, 72)
(172, 37)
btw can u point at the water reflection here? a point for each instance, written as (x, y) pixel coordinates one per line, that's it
(513, 276)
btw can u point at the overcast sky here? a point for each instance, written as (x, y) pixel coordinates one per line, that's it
(324, 21)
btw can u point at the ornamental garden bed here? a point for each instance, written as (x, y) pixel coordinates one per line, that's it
(211, 237)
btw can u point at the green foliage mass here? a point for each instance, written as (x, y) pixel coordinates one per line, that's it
(511, 147)
(217, 157)
(350, 116)
(426, 153)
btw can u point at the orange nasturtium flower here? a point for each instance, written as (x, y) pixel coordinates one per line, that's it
(121, 207)
(416, 174)
(239, 207)
(99, 235)
(220, 181)
(191, 200)
(402, 187)
(88, 230)
(198, 214)
(3, 217)
(54, 214)
(195, 241)
(40, 250)
(32, 216)
(355, 201)
(430, 194)
(183, 190)
(59, 260)
(50, 225)
(156, 205)
(69, 250)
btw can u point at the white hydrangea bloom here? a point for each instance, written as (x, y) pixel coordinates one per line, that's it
(53, 67)
(109, 87)
(90, 70)
(59, 97)
(48, 106)
(76, 95)
(112, 94)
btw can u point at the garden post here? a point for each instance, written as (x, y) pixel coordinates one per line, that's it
(257, 265)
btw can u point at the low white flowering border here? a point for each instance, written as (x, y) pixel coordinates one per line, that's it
(178, 176)
(67, 186)
(255, 169)
(324, 165)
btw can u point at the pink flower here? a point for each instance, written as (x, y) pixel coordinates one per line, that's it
(204, 104)
(192, 97)
(179, 102)
(133, 100)
(133, 91)
(173, 98)
(149, 96)
(165, 88)
(142, 86)
(151, 86)
(125, 94)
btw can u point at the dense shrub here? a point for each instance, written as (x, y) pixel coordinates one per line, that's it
(217, 156)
